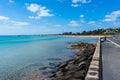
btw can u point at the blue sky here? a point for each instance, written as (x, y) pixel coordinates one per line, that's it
(18, 17)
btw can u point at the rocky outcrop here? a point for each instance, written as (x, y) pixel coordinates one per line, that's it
(81, 46)
(77, 67)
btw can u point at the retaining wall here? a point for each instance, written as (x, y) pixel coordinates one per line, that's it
(94, 69)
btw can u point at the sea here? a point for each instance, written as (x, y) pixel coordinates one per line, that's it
(26, 57)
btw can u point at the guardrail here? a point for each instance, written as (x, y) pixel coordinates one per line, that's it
(94, 69)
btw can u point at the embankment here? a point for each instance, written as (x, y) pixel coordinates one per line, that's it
(94, 71)
(77, 67)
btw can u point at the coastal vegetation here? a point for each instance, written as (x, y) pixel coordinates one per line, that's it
(108, 31)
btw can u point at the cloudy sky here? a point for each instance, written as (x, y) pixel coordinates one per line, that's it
(57, 16)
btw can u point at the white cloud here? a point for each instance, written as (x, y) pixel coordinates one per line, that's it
(10, 21)
(20, 23)
(34, 17)
(91, 22)
(11, 1)
(112, 16)
(81, 1)
(58, 25)
(81, 16)
(75, 5)
(3, 18)
(33, 7)
(85, 1)
(75, 1)
(40, 11)
(74, 23)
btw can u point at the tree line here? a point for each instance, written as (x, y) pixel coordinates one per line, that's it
(108, 31)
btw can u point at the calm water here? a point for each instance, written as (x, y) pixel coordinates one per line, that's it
(20, 55)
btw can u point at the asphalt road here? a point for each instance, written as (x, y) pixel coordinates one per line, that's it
(115, 39)
(111, 61)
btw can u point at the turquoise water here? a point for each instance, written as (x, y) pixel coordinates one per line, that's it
(22, 54)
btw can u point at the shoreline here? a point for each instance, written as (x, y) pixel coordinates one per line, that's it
(87, 36)
(94, 36)
(76, 67)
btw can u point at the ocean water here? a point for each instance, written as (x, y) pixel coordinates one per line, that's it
(21, 55)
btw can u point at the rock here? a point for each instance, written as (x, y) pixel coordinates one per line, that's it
(82, 63)
(75, 68)
(80, 74)
(63, 70)
(62, 65)
(59, 73)
(53, 64)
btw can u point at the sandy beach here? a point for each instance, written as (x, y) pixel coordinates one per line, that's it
(87, 36)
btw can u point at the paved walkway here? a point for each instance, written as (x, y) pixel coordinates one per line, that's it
(111, 61)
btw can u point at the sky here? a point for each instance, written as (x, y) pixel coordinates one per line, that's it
(25, 17)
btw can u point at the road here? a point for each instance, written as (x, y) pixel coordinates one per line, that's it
(115, 39)
(111, 61)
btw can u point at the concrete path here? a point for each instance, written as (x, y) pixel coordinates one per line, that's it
(111, 61)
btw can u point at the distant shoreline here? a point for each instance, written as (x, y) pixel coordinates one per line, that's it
(86, 36)
(81, 36)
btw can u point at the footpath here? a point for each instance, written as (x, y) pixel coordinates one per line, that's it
(111, 59)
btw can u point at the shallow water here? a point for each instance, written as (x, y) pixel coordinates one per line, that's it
(22, 55)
